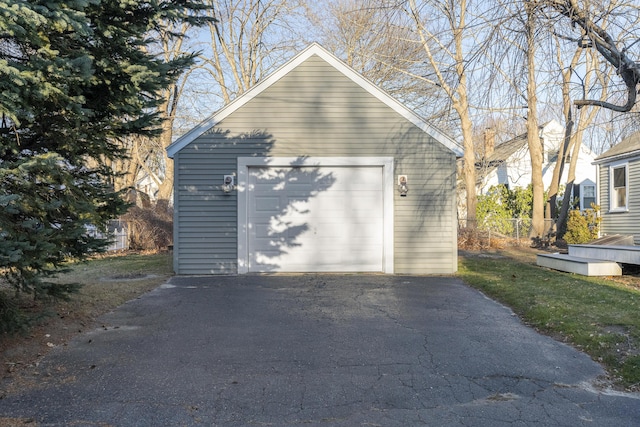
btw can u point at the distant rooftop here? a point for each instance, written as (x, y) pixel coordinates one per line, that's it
(627, 146)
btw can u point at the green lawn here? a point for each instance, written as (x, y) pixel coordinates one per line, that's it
(596, 315)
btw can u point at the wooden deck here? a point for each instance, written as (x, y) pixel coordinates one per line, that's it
(579, 265)
(602, 257)
(617, 253)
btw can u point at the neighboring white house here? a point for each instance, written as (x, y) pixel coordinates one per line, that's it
(509, 163)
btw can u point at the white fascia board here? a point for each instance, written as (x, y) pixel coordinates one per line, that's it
(628, 157)
(315, 49)
(239, 102)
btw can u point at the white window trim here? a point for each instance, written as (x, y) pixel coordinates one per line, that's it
(583, 187)
(612, 167)
(244, 163)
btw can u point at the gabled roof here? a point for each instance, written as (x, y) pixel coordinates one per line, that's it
(314, 49)
(629, 146)
(500, 155)
(502, 152)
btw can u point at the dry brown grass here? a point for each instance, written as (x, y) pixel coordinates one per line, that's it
(107, 282)
(478, 240)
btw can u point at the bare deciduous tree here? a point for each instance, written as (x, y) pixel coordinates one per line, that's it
(446, 53)
(375, 38)
(597, 78)
(533, 137)
(147, 159)
(247, 40)
(566, 73)
(163, 176)
(520, 62)
(614, 51)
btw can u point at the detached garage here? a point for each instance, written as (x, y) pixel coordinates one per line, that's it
(315, 170)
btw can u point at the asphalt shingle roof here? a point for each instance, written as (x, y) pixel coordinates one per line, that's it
(500, 154)
(627, 146)
(503, 151)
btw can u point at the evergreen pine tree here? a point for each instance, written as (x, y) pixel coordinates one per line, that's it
(75, 76)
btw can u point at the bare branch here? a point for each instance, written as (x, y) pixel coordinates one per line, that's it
(628, 69)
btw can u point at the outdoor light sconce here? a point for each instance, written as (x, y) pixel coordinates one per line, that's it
(402, 185)
(228, 184)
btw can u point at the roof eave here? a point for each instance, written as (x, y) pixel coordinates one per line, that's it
(631, 155)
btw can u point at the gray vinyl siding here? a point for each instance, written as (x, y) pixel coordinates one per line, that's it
(621, 222)
(315, 111)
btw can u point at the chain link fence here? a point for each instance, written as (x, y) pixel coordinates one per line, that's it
(497, 232)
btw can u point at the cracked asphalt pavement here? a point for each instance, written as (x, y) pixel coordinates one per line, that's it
(318, 350)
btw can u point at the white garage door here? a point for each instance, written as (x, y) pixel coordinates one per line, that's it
(315, 218)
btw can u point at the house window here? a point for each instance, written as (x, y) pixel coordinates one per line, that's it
(619, 187)
(552, 157)
(588, 196)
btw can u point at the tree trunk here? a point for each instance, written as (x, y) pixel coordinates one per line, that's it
(461, 104)
(571, 176)
(469, 166)
(165, 189)
(551, 210)
(455, 13)
(533, 137)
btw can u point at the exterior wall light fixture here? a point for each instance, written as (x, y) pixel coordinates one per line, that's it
(228, 183)
(402, 185)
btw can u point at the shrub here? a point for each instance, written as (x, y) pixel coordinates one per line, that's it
(150, 228)
(502, 209)
(492, 211)
(582, 227)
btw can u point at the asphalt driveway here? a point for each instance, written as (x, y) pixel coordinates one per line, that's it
(317, 350)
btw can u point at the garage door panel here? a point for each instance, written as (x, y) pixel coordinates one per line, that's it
(299, 179)
(336, 202)
(261, 231)
(322, 227)
(319, 260)
(266, 236)
(306, 224)
(303, 232)
(267, 204)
